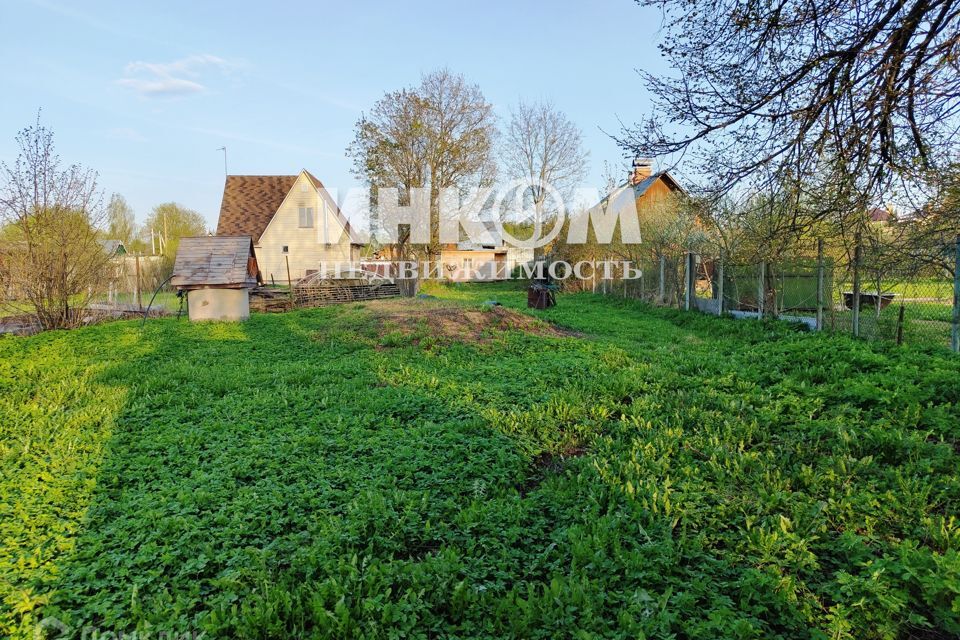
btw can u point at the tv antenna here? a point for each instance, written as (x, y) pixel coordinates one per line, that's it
(224, 149)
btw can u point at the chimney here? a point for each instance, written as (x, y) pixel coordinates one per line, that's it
(642, 169)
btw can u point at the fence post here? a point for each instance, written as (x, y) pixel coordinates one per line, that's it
(900, 324)
(662, 292)
(720, 286)
(137, 285)
(688, 283)
(856, 288)
(820, 284)
(761, 289)
(956, 298)
(289, 279)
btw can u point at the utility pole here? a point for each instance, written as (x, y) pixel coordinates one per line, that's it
(224, 149)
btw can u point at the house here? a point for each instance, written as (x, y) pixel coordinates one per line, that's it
(292, 220)
(469, 261)
(880, 216)
(217, 272)
(644, 186)
(487, 257)
(484, 258)
(113, 247)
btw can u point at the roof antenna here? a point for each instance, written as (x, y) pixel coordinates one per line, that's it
(224, 149)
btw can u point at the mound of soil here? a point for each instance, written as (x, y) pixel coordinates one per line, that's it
(445, 323)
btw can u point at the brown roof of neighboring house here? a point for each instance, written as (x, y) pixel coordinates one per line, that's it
(250, 202)
(879, 215)
(225, 261)
(641, 187)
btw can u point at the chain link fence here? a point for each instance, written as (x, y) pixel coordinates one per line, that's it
(869, 293)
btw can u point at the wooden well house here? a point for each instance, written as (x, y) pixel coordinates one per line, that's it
(217, 272)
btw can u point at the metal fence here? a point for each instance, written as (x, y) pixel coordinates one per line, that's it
(862, 292)
(131, 284)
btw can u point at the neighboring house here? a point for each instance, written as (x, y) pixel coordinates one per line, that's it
(113, 248)
(880, 216)
(468, 261)
(290, 219)
(129, 272)
(645, 187)
(487, 258)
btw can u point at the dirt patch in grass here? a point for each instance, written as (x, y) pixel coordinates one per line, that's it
(417, 321)
(548, 464)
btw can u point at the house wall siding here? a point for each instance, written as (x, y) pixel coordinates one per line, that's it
(486, 265)
(657, 191)
(326, 241)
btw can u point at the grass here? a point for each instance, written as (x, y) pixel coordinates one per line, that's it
(368, 470)
(164, 299)
(924, 323)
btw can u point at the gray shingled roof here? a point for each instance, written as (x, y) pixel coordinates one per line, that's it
(225, 261)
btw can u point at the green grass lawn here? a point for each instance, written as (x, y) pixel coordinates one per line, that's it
(924, 323)
(371, 471)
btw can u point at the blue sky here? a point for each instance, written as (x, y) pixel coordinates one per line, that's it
(145, 93)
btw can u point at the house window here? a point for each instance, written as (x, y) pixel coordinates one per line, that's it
(467, 264)
(286, 249)
(306, 217)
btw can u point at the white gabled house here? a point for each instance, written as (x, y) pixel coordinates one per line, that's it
(290, 219)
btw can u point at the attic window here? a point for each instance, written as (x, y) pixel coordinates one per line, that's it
(303, 187)
(306, 217)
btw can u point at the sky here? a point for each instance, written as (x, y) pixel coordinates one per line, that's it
(146, 93)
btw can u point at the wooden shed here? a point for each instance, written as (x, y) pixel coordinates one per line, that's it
(217, 272)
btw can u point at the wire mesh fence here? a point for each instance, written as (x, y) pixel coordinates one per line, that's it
(132, 283)
(865, 292)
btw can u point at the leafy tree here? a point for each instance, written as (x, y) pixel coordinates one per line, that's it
(437, 135)
(122, 224)
(170, 222)
(50, 254)
(862, 91)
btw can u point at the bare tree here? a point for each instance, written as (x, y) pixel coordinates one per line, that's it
(50, 253)
(544, 149)
(863, 91)
(436, 135)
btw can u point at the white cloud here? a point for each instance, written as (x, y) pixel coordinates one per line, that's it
(170, 79)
